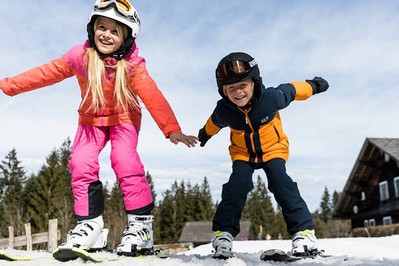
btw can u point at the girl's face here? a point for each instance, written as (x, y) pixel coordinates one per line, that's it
(240, 93)
(107, 37)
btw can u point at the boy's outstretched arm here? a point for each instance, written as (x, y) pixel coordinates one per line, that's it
(177, 137)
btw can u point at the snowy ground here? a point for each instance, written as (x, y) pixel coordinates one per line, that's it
(345, 251)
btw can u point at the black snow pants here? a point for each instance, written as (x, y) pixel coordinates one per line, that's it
(284, 189)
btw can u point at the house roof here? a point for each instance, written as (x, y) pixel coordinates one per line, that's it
(201, 232)
(373, 152)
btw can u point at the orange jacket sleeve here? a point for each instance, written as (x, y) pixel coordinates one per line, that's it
(303, 90)
(38, 77)
(155, 102)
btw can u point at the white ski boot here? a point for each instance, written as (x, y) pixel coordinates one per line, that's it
(222, 242)
(89, 235)
(303, 243)
(137, 238)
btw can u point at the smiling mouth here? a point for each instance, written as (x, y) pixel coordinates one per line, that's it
(105, 42)
(240, 98)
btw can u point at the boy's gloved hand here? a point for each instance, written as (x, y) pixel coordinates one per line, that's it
(318, 84)
(203, 137)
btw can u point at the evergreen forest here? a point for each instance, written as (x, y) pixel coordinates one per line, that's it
(47, 194)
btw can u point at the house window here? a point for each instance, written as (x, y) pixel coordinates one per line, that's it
(384, 193)
(396, 182)
(363, 196)
(387, 220)
(372, 222)
(369, 222)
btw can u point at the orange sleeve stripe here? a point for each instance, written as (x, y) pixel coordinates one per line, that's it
(211, 128)
(303, 90)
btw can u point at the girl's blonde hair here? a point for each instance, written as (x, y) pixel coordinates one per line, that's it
(123, 93)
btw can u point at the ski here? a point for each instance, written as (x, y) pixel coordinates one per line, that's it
(278, 255)
(223, 255)
(6, 256)
(65, 254)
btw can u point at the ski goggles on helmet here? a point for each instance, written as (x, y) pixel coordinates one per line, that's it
(123, 7)
(237, 67)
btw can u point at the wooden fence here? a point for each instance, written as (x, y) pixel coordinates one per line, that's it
(51, 237)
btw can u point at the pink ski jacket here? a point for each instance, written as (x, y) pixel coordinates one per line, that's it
(74, 63)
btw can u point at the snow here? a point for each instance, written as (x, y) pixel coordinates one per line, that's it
(345, 251)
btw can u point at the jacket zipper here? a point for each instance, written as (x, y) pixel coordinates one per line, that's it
(248, 122)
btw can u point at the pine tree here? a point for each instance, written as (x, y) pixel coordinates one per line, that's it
(115, 218)
(181, 213)
(44, 199)
(325, 206)
(191, 203)
(181, 203)
(259, 209)
(279, 226)
(156, 224)
(50, 194)
(12, 179)
(66, 214)
(327, 227)
(167, 218)
(151, 184)
(206, 208)
(335, 197)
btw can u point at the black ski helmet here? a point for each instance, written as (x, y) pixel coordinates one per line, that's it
(226, 72)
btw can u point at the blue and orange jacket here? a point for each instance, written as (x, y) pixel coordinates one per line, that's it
(256, 132)
(74, 63)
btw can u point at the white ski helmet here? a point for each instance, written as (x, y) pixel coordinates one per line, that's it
(121, 11)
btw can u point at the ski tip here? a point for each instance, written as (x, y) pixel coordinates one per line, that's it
(273, 251)
(7, 257)
(277, 255)
(223, 255)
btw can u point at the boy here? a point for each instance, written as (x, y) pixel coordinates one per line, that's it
(257, 142)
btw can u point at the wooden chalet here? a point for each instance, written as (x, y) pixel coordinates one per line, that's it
(200, 233)
(371, 194)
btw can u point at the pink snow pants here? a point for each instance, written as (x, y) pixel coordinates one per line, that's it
(125, 161)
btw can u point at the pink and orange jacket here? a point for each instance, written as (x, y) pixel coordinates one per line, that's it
(74, 63)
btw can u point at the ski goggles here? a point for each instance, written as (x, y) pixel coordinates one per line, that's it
(237, 67)
(123, 7)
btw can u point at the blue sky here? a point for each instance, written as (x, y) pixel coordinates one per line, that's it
(352, 44)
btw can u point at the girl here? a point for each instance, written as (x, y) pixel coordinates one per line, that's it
(112, 77)
(257, 142)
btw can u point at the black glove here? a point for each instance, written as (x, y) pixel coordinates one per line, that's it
(203, 137)
(318, 84)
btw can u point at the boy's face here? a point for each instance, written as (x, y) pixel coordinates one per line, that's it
(240, 93)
